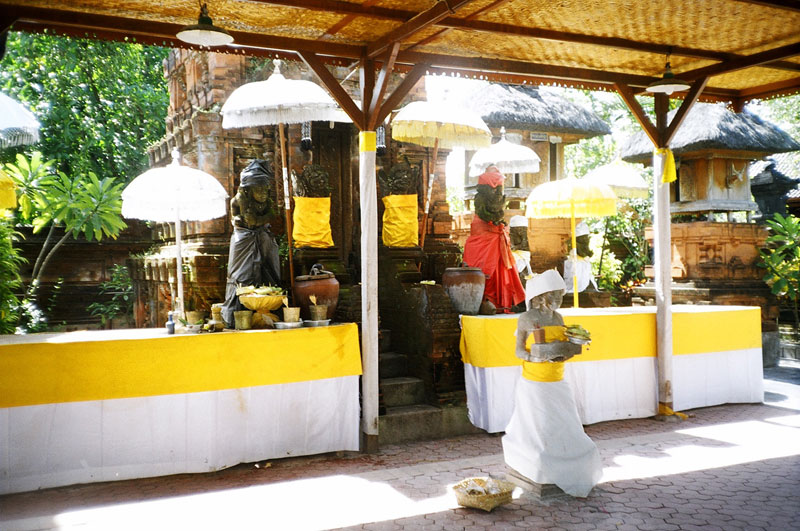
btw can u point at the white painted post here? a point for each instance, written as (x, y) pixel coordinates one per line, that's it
(369, 290)
(663, 282)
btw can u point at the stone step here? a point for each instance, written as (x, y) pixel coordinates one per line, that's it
(392, 364)
(423, 422)
(402, 391)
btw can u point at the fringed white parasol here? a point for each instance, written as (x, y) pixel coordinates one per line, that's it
(507, 156)
(18, 126)
(173, 194)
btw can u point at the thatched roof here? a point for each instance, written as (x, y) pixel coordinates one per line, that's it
(709, 126)
(533, 109)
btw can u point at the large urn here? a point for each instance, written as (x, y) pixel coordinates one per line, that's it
(464, 286)
(320, 283)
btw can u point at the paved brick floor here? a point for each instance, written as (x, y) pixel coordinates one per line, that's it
(726, 467)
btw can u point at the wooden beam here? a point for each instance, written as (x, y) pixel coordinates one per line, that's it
(380, 87)
(630, 100)
(335, 88)
(418, 23)
(680, 115)
(475, 14)
(787, 86)
(366, 76)
(792, 5)
(748, 61)
(402, 90)
(344, 21)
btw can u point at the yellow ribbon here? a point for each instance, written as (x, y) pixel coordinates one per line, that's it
(668, 174)
(666, 411)
(544, 371)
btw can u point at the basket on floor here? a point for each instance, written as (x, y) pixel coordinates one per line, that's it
(487, 502)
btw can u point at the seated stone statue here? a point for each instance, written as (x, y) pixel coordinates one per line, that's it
(253, 256)
(581, 267)
(544, 441)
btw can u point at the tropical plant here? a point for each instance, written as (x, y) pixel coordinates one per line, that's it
(10, 281)
(120, 288)
(84, 206)
(781, 259)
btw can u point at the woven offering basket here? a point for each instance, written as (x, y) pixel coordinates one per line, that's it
(486, 502)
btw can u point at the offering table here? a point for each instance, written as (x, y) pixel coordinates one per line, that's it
(105, 405)
(716, 360)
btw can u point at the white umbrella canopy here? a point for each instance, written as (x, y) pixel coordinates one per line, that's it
(623, 178)
(507, 156)
(429, 124)
(18, 126)
(278, 101)
(172, 194)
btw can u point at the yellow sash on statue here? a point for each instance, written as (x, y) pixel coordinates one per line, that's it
(545, 371)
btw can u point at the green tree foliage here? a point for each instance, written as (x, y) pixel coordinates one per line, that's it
(100, 103)
(120, 289)
(83, 206)
(10, 281)
(781, 259)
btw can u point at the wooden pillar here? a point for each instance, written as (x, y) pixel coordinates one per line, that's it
(663, 264)
(369, 290)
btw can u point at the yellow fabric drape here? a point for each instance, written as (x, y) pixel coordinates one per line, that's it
(8, 196)
(312, 222)
(668, 174)
(400, 226)
(545, 371)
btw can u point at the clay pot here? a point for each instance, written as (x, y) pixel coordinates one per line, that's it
(464, 286)
(323, 285)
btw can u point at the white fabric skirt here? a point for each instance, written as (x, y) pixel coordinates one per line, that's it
(545, 440)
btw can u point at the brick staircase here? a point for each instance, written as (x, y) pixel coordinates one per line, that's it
(404, 413)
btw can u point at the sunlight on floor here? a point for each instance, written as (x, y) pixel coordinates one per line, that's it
(319, 503)
(716, 446)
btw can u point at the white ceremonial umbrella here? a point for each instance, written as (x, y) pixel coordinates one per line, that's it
(279, 101)
(18, 126)
(507, 156)
(623, 178)
(439, 124)
(172, 194)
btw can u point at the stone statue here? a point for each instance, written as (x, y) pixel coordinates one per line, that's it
(544, 441)
(314, 181)
(401, 179)
(253, 257)
(581, 267)
(488, 245)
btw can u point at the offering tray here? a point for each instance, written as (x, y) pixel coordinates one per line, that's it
(323, 322)
(283, 325)
(578, 340)
(262, 304)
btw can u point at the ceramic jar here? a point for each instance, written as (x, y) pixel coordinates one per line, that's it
(323, 285)
(464, 286)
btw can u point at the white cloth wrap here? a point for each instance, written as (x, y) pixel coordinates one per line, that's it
(545, 441)
(584, 274)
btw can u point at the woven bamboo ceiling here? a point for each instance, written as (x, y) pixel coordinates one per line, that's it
(750, 49)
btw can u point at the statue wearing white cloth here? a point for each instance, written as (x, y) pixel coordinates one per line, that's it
(544, 441)
(580, 266)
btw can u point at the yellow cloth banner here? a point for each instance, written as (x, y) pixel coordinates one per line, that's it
(312, 222)
(366, 141)
(62, 371)
(8, 195)
(545, 371)
(668, 174)
(719, 331)
(400, 226)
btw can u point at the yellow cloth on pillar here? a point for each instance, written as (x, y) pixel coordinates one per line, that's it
(8, 195)
(545, 371)
(312, 222)
(668, 174)
(400, 225)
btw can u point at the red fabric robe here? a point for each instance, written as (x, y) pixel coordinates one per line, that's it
(489, 248)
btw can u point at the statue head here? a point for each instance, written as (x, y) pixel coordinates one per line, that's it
(545, 291)
(518, 226)
(490, 199)
(256, 183)
(313, 182)
(582, 237)
(401, 179)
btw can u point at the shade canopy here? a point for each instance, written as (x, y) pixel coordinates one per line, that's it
(426, 123)
(278, 101)
(174, 192)
(507, 156)
(623, 179)
(568, 197)
(18, 126)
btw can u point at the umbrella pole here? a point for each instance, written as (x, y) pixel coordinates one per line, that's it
(179, 261)
(431, 178)
(288, 201)
(603, 247)
(574, 256)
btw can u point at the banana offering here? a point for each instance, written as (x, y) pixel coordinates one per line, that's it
(578, 332)
(261, 290)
